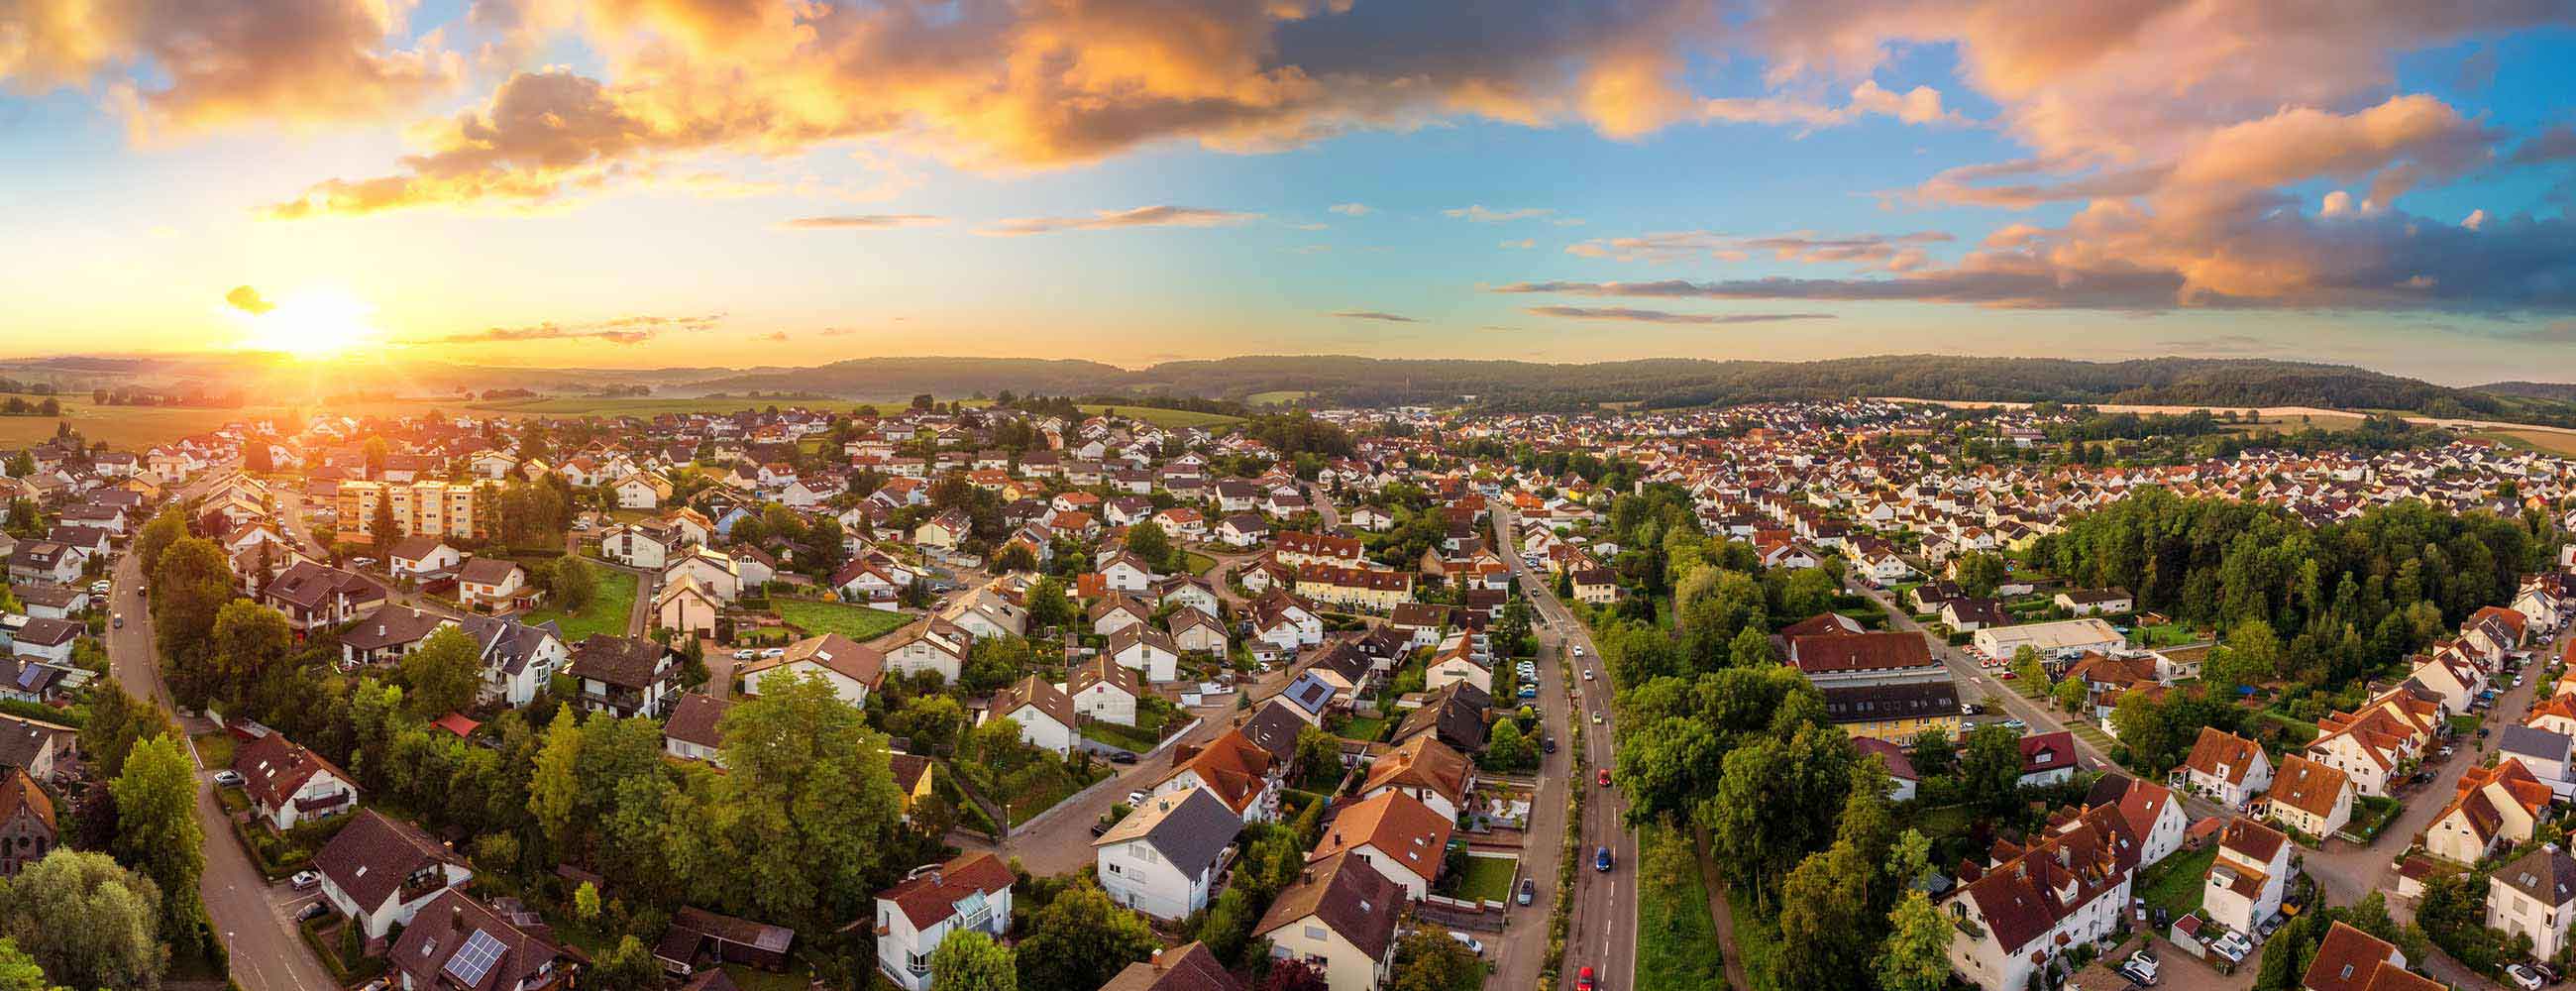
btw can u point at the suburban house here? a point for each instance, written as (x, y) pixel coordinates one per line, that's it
(1395, 833)
(1104, 690)
(2495, 807)
(2028, 906)
(493, 583)
(314, 596)
(288, 784)
(2225, 767)
(637, 545)
(380, 871)
(853, 669)
(422, 556)
(687, 605)
(1426, 769)
(2349, 959)
(2153, 815)
(1163, 859)
(2252, 872)
(2047, 758)
(2310, 798)
(2096, 601)
(28, 829)
(1232, 769)
(1044, 712)
(1187, 967)
(625, 676)
(458, 942)
(2535, 896)
(972, 892)
(1148, 650)
(691, 733)
(929, 645)
(1339, 916)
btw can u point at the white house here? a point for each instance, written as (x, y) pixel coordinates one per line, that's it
(972, 892)
(634, 546)
(1339, 916)
(288, 784)
(1148, 650)
(1163, 859)
(2535, 896)
(1044, 713)
(2066, 890)
(1397, 834)
(929, 645)
(2225, 767)
(1104, 690)
(2245, 883)
(379, 871)
(853, 669)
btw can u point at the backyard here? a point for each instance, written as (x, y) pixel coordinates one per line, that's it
(2174, 884)
(858, 623)
(607, 612)
(1486, 879)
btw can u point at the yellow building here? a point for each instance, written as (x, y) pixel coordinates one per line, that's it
(1894, 712)
(430, 509)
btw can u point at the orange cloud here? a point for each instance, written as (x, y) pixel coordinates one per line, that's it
(1143, 216)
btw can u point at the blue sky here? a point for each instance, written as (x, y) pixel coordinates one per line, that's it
(578, 183)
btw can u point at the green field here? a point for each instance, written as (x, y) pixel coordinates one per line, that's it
(1199, 564)
(649, 405)
(858, 623)
(2539, 440)
(608, 612)
(1676, 938)
(1276, 397)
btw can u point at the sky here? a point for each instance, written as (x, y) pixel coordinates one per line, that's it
(654, 183)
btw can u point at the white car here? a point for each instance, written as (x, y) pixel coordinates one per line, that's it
(1587, 674)
(1470, 942)
(2522, 977)
(745, 655)
(774, 652)
(305, 880)
(2143, 965)
(228, 778)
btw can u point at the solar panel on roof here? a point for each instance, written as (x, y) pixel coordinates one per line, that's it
(474, 960)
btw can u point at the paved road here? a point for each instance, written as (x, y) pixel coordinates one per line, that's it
(1603, 935)
(254, 917)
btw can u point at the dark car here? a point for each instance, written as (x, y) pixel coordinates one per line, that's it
(1548, 744)
(1601, 860)
(1529, 891)
(1123, 757)
(315, 910)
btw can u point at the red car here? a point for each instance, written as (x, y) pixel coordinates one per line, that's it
(1605, 777)
(1584, 981)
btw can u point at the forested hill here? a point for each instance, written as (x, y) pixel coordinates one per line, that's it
(2564, 392)
(1673, 382)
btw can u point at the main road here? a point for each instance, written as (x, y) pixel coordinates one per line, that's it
(252, 916)
(1603, 931)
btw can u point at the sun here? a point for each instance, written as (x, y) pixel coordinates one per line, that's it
(312, 325)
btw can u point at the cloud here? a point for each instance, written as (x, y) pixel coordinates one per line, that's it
(1374, 315)
(184, 66)
(1920, 105)
(1523, 244)
(775, 335)
(1352, 209)
(1664, 316)
(837, 331)
(868, 221)
(1482, 214)
(1143, 216)
(1889, 251)
(623, 330)
(248, 300)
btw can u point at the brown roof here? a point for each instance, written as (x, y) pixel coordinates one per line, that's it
(2216, 747)
(18, 791)
(1348, 896)
(630, 662)
(831, 651)
(274, 768)
(1035, 692)
(1187, 967)
(1402, 829)
(1231, 766)
(2308, 786)
(374, 855)
(1422, 762)
(2255, 841)
(930, 895)
(694, 719)
(2346, 960)
(1859, 652)
(451, 921)
(908, 771)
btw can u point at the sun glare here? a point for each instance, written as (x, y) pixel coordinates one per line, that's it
(311, 325)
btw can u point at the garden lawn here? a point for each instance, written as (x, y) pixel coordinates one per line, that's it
(2176, 883)
(1488, 878)
(1199, 564)
(215, 750)
(1676, 940)
(1361, 728)
(858, 623)
(609, 609)
(1127, 737)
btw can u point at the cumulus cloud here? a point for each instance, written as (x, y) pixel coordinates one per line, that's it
(1377, 315)
(1665, 316)
(248, 300)
(869, 221)
(190, 65)
(1482, 214)
(1891, 251)
(1352, 209)
(775, 335)
(1143, 216)
(1920, 105)
(622, 330)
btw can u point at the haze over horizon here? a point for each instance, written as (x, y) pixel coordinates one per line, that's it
(599, 183)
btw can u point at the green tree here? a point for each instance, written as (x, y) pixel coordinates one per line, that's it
(1979, 573)
(1934, 752)
(1776, 801)
(1318, 752)
(1990, 770)
(931, 722)
(1916, 956)
(86, 920)
(629, 965)
(20, 972)
(1227, 927)
(189, 587)
(969, 960)
(442, 675)
(574, 584)
(252, 641)
(1751, 648)
(2026, 666)
(812, 799)
(116, 721)
(1808, 592)
(1428, 960)
(1148, 542)
(554, 787)
(157, 832)
(167, 527)
(1049, 606)
(585, 902)
(1507, 749)
(2070, 694)
(1081, 940)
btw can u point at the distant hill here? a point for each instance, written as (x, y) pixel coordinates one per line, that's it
(2564, 392)
(1673, 382)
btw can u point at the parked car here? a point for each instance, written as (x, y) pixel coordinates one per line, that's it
(2015, 725)
(117, 621)
(1123, 757)
(314, 910)
(745, 655)
(2523, 977)
(1135, 798)
(1601, 860)
(1529, 891)
(1529, 691)
(305, 880)
(98, 588)
(1548, 744)
(228, 778)
(1472, 944)
(774, 652)
(2145, 963)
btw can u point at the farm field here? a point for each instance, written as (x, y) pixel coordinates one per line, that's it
(2540, 440)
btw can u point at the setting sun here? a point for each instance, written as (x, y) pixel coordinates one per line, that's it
(313, 324)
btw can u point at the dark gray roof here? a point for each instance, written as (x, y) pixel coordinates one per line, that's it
(2547, 874)
(2532, 741)
(1189, 830)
